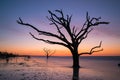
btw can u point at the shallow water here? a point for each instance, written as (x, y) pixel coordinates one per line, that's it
(59, 68)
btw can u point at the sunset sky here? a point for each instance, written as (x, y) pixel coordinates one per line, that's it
(15, 38)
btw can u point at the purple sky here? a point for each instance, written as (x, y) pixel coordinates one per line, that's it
(15, 37)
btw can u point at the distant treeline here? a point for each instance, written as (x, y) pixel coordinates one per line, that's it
(4, 55)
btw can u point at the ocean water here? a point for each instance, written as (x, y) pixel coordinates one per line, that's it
(99, 67)
(59, 68)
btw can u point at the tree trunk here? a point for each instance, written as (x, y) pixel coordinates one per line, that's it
(75, 60)
(75, 74)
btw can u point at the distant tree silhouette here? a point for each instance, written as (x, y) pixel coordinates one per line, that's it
(7, 56)
(62, 23)
(48, 52)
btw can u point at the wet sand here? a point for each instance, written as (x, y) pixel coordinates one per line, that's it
(40, 69)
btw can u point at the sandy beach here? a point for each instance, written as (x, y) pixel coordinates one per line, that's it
(37, 68)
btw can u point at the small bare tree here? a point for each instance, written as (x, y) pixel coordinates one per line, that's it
(48, 52)
(62, 23)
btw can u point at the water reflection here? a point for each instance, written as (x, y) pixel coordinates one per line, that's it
(14, 60)
(57, 69)
(75, 74)
(7, 60)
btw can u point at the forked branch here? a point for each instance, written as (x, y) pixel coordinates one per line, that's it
(48, 52)
(48, 41)
(93, 50)
(89, 23)
(61, 37)
(75, 36)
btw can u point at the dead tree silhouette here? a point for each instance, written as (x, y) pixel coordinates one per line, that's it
(63, 23)
(48, 52)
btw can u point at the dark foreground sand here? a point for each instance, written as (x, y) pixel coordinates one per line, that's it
(40, 69)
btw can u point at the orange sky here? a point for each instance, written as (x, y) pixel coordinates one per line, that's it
(36, 48)
(26, 45)
(15, 38)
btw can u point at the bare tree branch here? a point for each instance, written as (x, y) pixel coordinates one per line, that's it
(88, 24)
(63, 38)
(85, 36)
(62, 22)
(59, 30)
(22, 23)
(92, 50)
(48, 52)
(48, 41)
(52, 53)
(76, 36)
